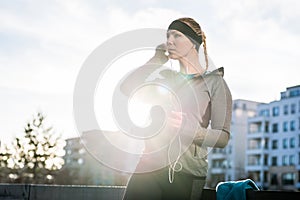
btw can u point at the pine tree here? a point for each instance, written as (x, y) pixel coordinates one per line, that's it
(5, 156)
(38, 152)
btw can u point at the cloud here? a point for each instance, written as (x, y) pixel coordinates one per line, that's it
(62, 35)
(45, 47)
(256, 47)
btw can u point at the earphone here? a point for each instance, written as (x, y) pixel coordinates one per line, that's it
(167, 53)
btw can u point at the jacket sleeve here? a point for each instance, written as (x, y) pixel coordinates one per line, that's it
(221, 112)
(139, 76)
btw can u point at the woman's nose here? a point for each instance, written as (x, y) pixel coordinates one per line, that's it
(170, 40)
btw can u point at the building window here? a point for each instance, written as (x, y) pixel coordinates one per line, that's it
(294, 93)
(217, 163)
(253, 160)
(266, 160)
(292, 143)
(266, 176)
(267, 113)
(288, 178)
(274, 144)
(214, 163)
(274, 179)
(293, 108)
(235, 106)
(285, 126)
(267, 127)
(244, 106)
(285, 109)
(229, 149)
(285, 160)
(292, 125)
(285, 143)
(274, 161)
(266, 143)
(275, 111)
(264, 113)
(292, 159)
(254, 128)
(229, 177)
(275, 128)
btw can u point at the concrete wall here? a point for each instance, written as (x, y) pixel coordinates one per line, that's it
(47, 192)
(56, 192)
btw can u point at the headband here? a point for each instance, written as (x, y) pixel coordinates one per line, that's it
(186, 30)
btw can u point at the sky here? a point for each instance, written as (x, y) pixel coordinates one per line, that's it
(43, 45)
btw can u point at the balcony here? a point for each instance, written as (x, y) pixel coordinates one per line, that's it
(259, 119)
(255, 151)
(256, 134)
(256, 167)
(258, 127)
(217, 156)
(217, 170)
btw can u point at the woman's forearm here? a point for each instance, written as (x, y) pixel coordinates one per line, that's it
(139, 75)
(211, 138)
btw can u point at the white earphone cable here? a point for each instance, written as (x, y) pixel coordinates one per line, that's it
(172, 167)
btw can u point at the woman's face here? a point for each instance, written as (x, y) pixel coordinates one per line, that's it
(178, 45)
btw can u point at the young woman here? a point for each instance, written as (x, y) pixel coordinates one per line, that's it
(203, 119)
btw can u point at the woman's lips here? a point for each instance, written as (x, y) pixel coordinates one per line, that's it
(171, 50)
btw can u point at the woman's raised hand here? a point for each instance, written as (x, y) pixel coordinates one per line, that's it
(160, 56)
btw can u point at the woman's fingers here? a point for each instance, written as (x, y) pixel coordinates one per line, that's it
(160, 52)
(162, 47)
(176, 119)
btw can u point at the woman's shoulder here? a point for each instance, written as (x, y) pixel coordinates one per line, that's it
(216, 72)
(215, 82)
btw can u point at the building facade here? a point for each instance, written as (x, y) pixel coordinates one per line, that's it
(273, 143)
(229, 163)
(82, 168)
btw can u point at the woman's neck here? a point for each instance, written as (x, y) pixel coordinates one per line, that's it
(191, 65)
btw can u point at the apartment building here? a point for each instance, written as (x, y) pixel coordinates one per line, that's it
(229, 163)
(82, 167)
(273, 143)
